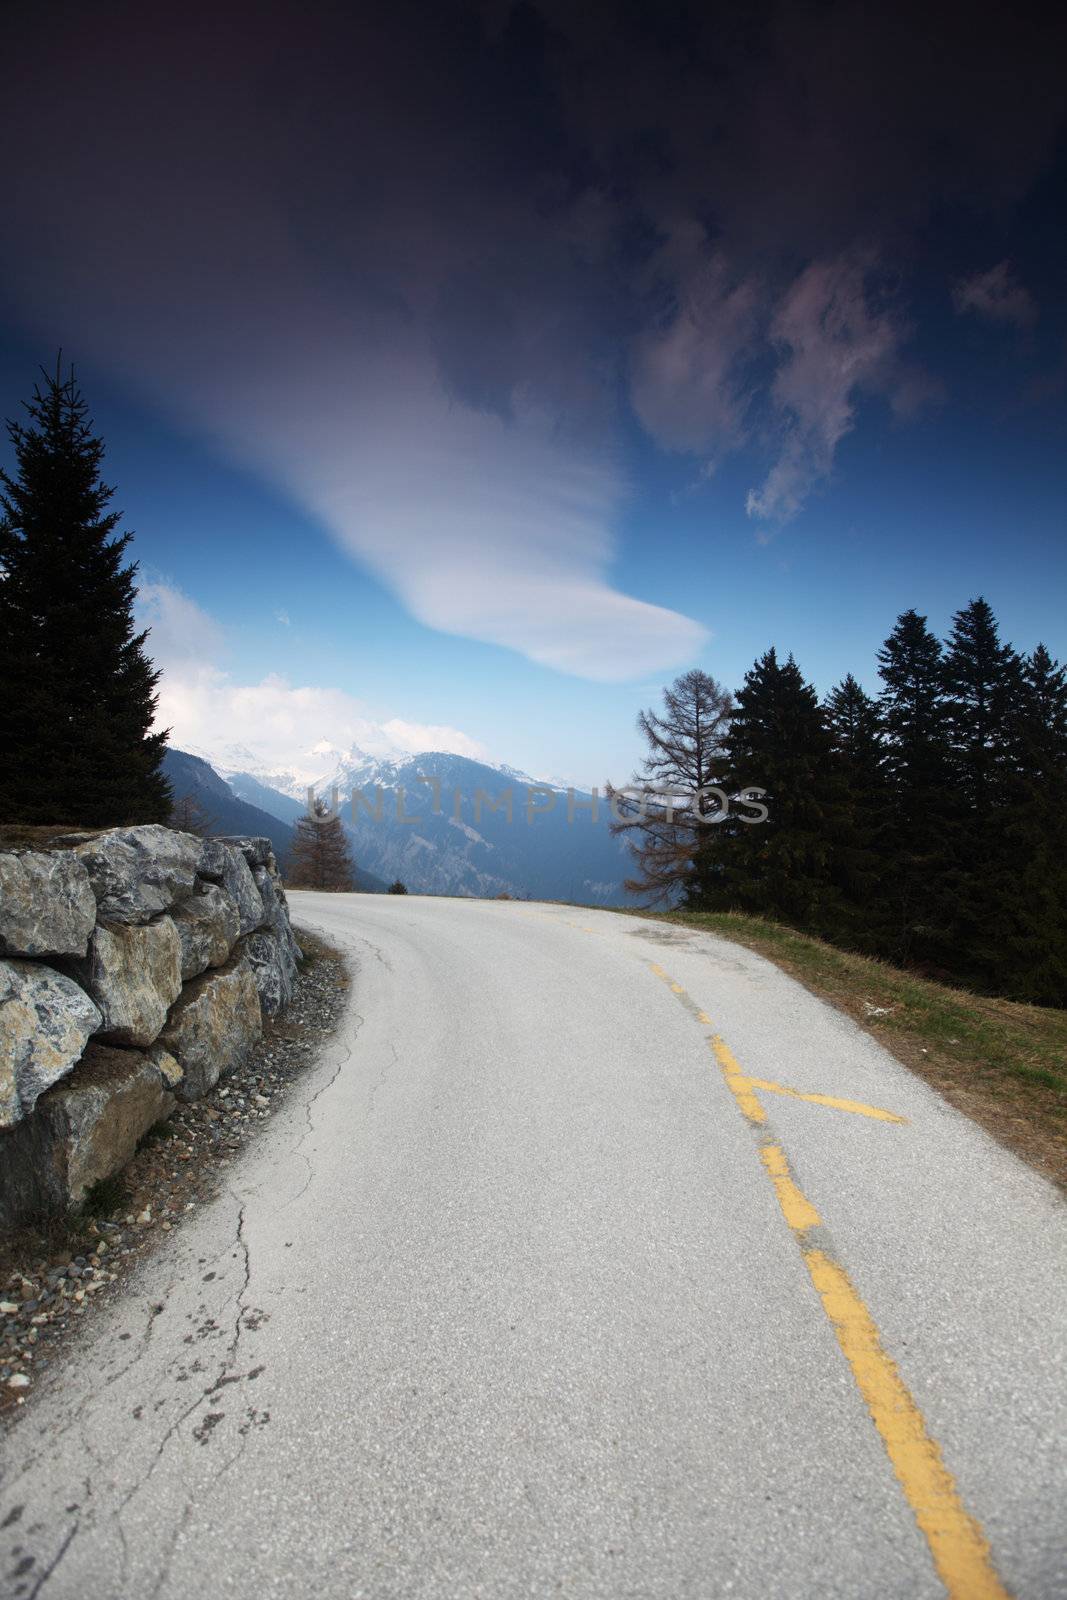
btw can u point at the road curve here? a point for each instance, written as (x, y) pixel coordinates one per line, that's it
(541, 1285)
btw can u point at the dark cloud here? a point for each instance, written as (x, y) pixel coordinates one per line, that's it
(997, 295)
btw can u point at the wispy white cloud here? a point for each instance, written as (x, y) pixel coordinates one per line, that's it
(686, 382)
(209, 711)
(997, 295)
(834, 346)
(182, 634)
(498, 529)
(735, 363)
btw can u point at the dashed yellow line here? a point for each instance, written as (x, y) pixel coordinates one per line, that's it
(959, 1548)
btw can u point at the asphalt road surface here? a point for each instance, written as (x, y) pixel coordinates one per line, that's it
(540, 1286)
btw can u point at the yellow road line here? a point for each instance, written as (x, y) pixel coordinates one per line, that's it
(957, 1544)
(797, 1209)
(855, 1106)
(739, 1084)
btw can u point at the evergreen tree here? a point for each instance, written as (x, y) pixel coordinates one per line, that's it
(77, 691)
(320, 858)
(983, 681)
(916, 917)
(1032, 936)
(1039, 724)
(858, 755)
(685, 756)
(398, 886)
(782, 867)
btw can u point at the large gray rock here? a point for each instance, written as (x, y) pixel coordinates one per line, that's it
(275, 907)
(214, 856)
(256, 851)
(288, 936)
(45, 1020)
(96, 1117)
(47, 906)
(274, 970)
(208, 925)
(137, 873)
(213, 1026)
(134, 973)
(272, 949)
(239, 884)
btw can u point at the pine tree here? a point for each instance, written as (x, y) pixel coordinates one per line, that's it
(859, 760)
(1039, 723)
(783, 867)
(685, 754)
(320, 858)
(983, 682)
(1032, 939)
(77, 691)
(915, 912)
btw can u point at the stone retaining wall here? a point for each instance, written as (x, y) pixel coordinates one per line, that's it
(136, 967)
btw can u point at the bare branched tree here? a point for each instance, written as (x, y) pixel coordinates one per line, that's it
(320, 858)
(189, 816)
(661, 808)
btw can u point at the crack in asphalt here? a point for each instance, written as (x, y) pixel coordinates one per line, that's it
(309, 1104)
(49, 1571)
(242, 1243)
(226, 1373)
(226, 1367)
(375, 950)
(379, 1081)
(172, 1545)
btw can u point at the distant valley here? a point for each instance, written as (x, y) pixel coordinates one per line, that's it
(443, 826)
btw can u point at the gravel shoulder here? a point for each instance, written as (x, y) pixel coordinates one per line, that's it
(54, 1275)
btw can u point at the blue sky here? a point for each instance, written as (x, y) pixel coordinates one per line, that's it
(409, 446)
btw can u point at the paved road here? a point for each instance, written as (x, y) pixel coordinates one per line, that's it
(531, 1291)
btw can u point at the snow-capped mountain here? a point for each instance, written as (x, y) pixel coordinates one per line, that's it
(325, 766)
(449, 825)
(320, 764)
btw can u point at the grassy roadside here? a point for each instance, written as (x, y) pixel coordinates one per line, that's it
(1002, 1063)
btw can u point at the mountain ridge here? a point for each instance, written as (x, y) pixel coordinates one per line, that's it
(192, 777)
(442, 824)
